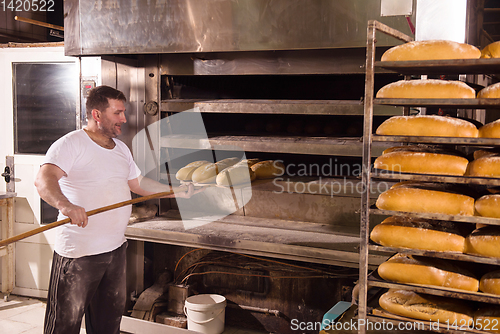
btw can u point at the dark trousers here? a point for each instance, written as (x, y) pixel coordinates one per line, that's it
(94, 285)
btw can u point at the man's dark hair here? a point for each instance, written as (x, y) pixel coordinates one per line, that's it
(98, 98)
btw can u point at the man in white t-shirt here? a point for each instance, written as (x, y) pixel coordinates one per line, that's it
(84, 170)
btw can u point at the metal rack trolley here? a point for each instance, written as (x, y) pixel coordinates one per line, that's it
(469, 66)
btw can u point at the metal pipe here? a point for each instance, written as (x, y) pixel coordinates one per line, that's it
(276, 313)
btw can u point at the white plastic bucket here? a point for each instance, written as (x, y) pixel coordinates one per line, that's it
(205, 313)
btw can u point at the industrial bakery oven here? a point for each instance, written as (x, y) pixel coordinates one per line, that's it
(270, 80)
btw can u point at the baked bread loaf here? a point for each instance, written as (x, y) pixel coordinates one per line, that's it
(425, 198)
(491, 50)
(488, 166)
(490, 92)
(490, 282)
(402, 268)
(431, 50)
(426, 89)
(418, 233)
(410, 304)
(207, 173)
(427, 125)
(421, 162)
(484, 241)
(486, 153)
(490, 130)
(237, 174)
(488, 206)
(487, 318)
(186, 172)
(268, 169)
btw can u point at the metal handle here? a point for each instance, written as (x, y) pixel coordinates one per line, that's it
(6, 174)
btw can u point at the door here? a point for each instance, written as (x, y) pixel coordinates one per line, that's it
(39, 90)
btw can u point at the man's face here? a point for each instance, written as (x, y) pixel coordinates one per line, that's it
(112, 119)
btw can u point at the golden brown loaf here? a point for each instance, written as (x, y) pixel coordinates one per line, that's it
(410, 304)
(410, 269)
(491, 50)
(487, 166)
(490, 92)
(484, 241)
(426, 89)
(490, 282)
(490, 130)
(208, 173)
(422, 162)
(427, 125)
(488, 206)
(268, 169)
(431, 50)
(237, 174)
(425, 198)
(186, 172)
(487, 318)
(418, 233)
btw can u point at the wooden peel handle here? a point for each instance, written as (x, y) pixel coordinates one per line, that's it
(41, 229)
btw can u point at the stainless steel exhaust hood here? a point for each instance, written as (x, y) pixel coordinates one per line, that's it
(98, 27)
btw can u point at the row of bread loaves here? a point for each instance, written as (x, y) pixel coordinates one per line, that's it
(435, 89)
(439, 49)
(444, 312)
(230, 171)
(436, 126)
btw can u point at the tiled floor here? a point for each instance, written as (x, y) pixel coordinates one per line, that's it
(22, 315)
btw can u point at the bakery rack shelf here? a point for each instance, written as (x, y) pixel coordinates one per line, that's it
(375, 281)
(408, 68)
(438, 140)
(439, 216)
(454, 66)
(396, 176)
(290, 107)
(442, 103)
(442, 255)
(379, 315)
(348, 146)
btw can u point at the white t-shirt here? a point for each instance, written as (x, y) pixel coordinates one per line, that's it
(96, 177)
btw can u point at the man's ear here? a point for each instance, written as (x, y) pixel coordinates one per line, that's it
(96, 115)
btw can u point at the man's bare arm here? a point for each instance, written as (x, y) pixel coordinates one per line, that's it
(47, 185)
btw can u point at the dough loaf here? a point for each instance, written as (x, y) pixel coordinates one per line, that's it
(426, 89)
(490, 92)
(487, 318)
(427, 125)
(488, 166)
(237, 174)
(490, 282)
(484, 241)
(207, 173)
(491, 50)
(268, 169)
(410, 304)
(417, 233)
(422, 162)
(186, 172)
(403, 268)
(413, 197)
(488, 206)
(431, 50)
(490, 130)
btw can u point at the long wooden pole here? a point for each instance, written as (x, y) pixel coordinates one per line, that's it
(89, 213)
(38, 23)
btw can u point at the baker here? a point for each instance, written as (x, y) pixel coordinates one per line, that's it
(84, 170)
